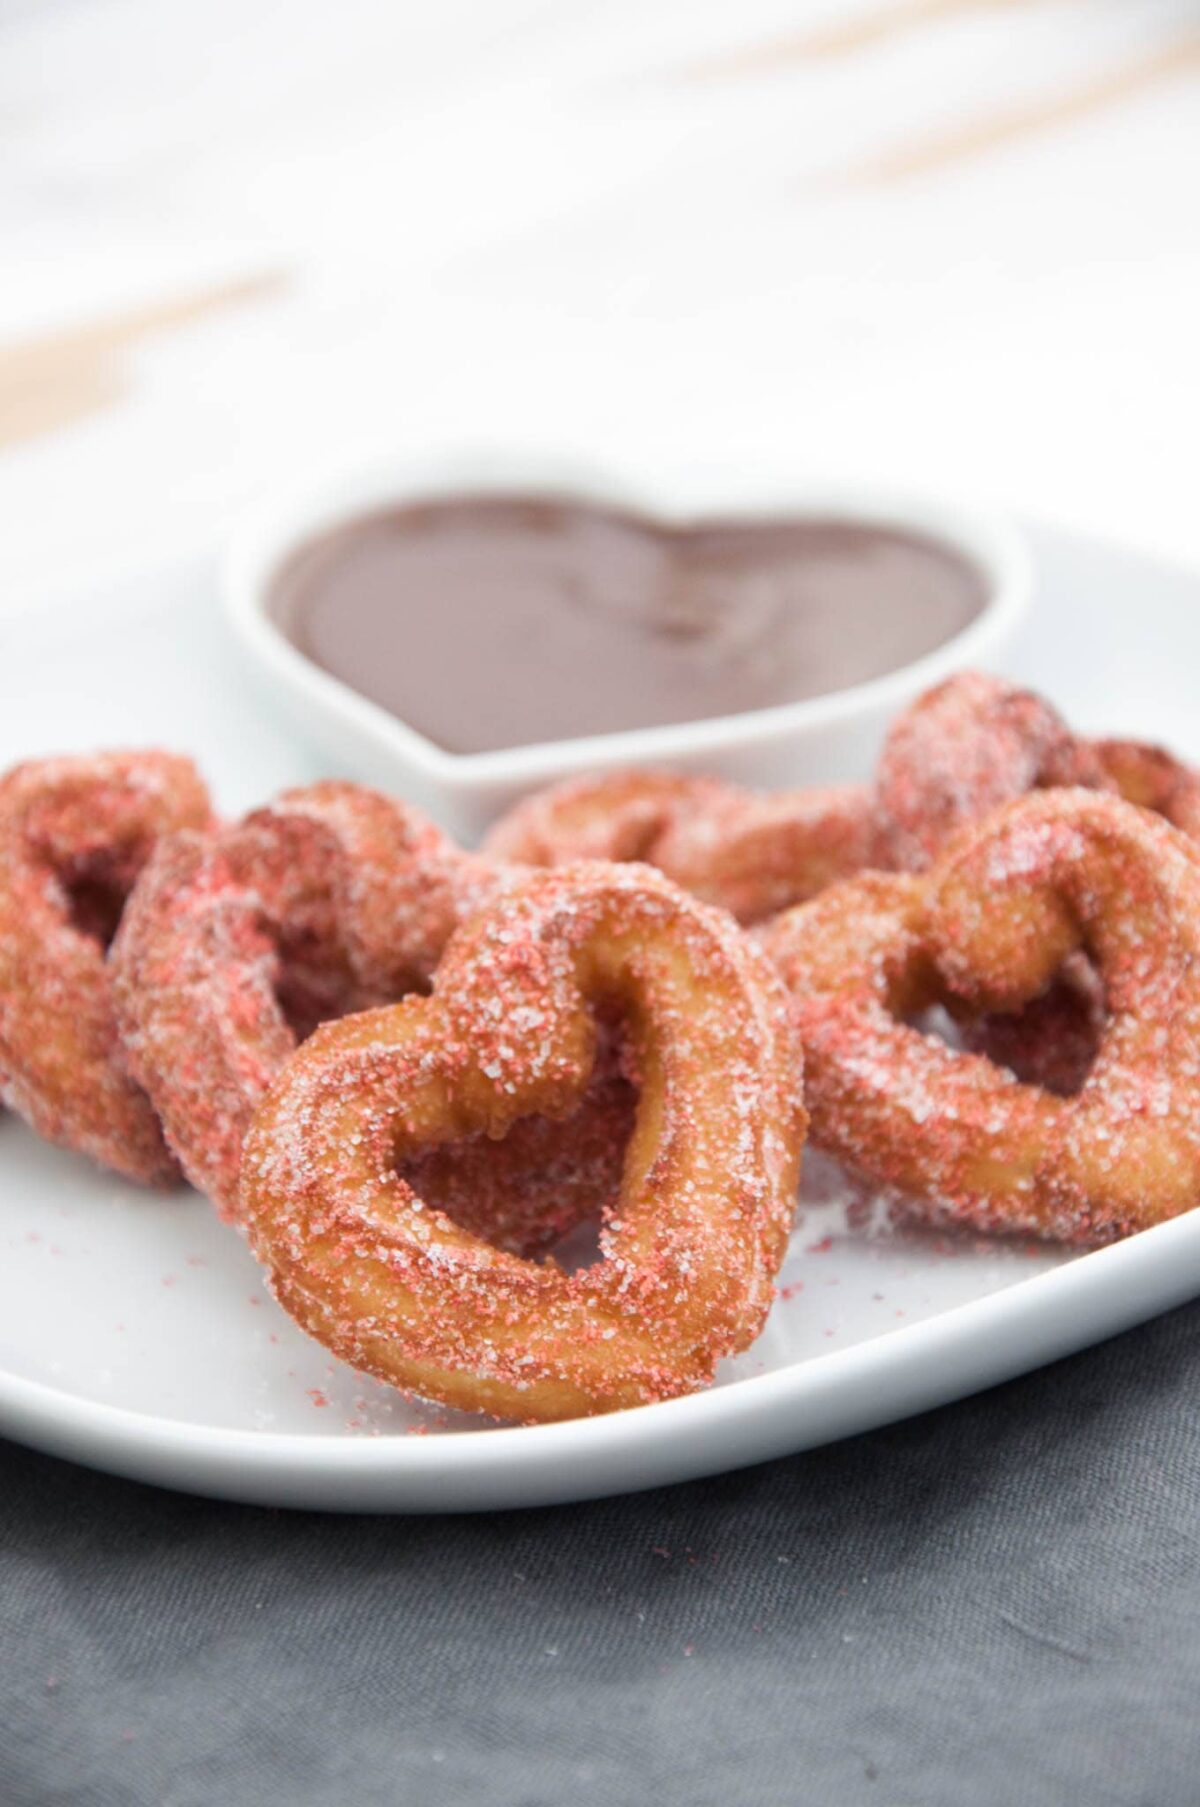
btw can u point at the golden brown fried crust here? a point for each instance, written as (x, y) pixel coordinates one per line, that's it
(331, 899)
(692, 1243)
(1155, 780)
(976, 742)
(750, 854)
(960, 751)
(989, 927)
(75, 832)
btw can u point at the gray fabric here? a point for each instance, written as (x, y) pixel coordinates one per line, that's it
(998, 1603)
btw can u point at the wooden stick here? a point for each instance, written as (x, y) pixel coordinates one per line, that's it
(56, 379)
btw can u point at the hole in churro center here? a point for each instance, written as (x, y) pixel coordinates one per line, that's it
(95, 903)
(536, 1188)
(543, 1188)
(314, 981)
(1051, 1042)
(312, 992)
(96, 891)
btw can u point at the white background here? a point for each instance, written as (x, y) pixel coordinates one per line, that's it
(942, 243)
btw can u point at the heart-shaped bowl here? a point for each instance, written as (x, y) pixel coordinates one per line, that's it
(814, 740)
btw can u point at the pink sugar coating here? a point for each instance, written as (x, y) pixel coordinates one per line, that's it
(75, 832)
(691, 1247)
(960, 751)
(332, 899)
(747, 853)
(993, 921)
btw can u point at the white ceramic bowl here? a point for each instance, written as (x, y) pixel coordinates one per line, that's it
(828, 737)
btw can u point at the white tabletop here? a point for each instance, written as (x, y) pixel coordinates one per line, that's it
(943, 244)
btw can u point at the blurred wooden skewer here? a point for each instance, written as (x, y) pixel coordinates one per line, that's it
(842, 37)
(59, 378)
(1026, 120)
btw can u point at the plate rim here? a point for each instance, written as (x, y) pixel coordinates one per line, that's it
(494, 1467)
(814, 1400)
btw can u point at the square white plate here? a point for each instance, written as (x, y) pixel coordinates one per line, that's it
(135, 1332)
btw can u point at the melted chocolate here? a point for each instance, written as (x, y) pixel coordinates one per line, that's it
(492, 621)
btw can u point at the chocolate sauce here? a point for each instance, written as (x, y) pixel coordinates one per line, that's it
(492, 621)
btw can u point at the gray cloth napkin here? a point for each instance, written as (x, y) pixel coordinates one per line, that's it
(997, 1603)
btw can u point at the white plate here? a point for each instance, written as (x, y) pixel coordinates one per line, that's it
(135, 1333)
